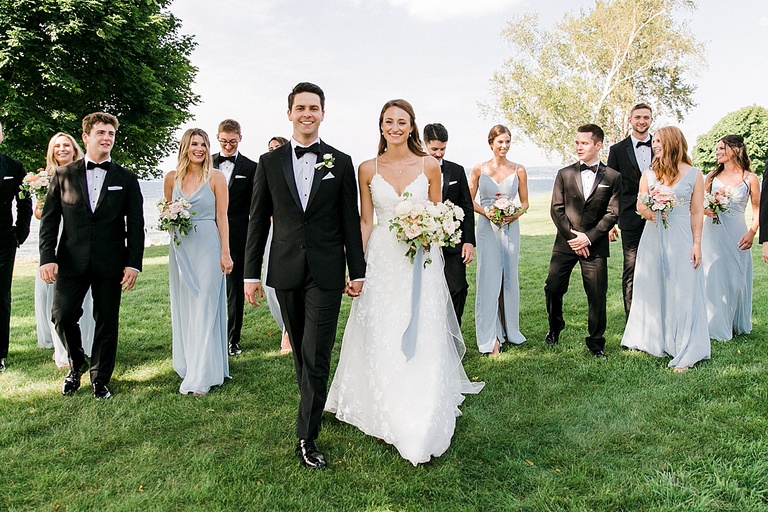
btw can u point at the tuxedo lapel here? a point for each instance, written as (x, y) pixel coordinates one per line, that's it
(237, 167)
(446, 179)
(598, 178)
(577, 178)
(632, 158)
(3, 166)
(287, 162)
(83, 182)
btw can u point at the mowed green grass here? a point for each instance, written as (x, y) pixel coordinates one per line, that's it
(554, 429)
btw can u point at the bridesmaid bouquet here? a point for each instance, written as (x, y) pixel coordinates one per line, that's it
(662, 199)
(35, 183)
(718, 201)
(175, 214)
(426, 225)
(503, 207)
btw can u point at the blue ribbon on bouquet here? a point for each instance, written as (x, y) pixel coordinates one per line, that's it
(408, 344)
(664, 257)
(186, 268)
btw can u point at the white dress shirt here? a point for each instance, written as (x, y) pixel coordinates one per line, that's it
(226, 167)
(95, 179)
(642, 153)
(588, 178)
(303, 171)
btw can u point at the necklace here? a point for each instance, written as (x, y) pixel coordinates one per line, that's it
(402, 167)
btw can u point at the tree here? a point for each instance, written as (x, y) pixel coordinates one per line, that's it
(749, 122)
(62, 59)
(593, 67)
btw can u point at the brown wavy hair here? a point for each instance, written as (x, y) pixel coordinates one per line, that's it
(740, 155)
(414, 141)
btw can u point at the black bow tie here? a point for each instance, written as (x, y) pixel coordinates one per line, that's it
(585, 167)
(227, 159)
(646, 143)
(92, 165)
(314, 148)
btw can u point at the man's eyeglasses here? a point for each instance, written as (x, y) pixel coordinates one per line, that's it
(233, 142)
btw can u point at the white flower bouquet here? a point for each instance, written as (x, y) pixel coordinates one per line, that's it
(426, 225)
(175, 217)
(503, 207)
(661, 198)
(718, 201)
(36, 183)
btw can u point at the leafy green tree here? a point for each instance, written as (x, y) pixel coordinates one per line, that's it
(62, 59)
(749, 122)
(592, 67)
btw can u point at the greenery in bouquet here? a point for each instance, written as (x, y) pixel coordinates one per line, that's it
(503, 207)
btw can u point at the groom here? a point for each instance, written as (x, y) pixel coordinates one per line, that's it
(309, 190)
(585, 207)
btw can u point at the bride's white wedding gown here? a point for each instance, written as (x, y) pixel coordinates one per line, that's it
(409, 403)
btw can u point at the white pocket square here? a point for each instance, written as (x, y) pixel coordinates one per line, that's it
(237, 177)
(7, 177)
(599, 186)
(452, 183)
(115, 188)
(329, 176)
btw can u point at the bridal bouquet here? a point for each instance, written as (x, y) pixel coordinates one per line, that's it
(35, 183)
(718, 201)
(422, 224)
(175, 214)
(662, 199)
(503, 207)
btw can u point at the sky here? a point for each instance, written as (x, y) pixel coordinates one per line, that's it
(440, 55)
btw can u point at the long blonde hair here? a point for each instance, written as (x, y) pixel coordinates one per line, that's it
(182, 164)
(674, 150)
(50, 160)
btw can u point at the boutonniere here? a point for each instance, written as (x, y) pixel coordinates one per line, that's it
(327, 162)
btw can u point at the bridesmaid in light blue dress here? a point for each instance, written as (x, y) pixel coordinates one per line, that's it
(197, 267)
(726, 246)
(668, 315)
(497, 299)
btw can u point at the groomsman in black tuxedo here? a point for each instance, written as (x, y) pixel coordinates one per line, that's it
(12, 235)
(239, 171)
(764, 215)
(456, 190)
(101, 248)
(631, 157)
(309, 190)
(585, 207)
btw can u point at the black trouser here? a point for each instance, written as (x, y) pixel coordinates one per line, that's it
(630, 240)
(7, 258)
(235, 295)
(311, 316)
(68, 296)
(594, 276)
(456, 278)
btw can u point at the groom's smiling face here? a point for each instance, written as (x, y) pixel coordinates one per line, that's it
(306, 114)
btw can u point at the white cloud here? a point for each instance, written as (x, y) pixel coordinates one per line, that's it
(436, 10)
(764, 21)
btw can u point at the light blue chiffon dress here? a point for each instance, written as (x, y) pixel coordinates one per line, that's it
(199, 299)
(498, 250)
(668, 315)
(727, 269)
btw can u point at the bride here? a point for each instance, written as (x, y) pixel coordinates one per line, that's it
(409, 402)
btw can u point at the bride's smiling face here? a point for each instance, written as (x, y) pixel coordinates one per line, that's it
(500, 144)
(396, 126)
(197, 149)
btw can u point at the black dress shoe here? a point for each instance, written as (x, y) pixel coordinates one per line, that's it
(552, 338)
(309, 455)
(71, 382)
(234, 349)
(101, 392)
(2, 365)
(599, 354)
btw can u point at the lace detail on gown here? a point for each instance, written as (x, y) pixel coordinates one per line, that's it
(411, 404)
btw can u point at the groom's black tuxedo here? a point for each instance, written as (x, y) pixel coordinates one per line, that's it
(593, 215)
(240, 191)
(12, 234)
(622, 158)
(456, 190)
(94, 248)
(309, 252)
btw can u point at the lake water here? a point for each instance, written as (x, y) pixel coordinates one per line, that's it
(540, 181)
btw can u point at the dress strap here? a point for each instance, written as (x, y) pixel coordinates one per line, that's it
(376, 165)
(422, 164)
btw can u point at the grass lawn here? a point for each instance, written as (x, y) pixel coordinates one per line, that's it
(554, 429)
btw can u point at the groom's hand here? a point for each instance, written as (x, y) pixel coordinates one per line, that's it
(354, 288)
(251, 290)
